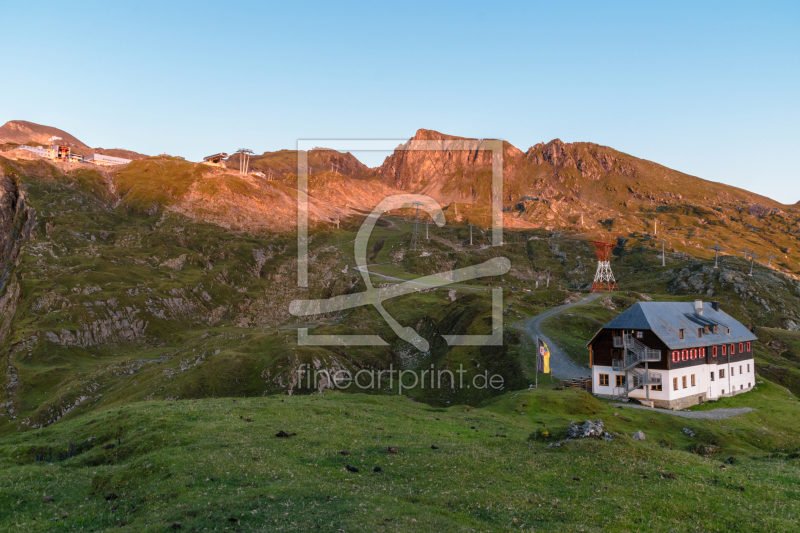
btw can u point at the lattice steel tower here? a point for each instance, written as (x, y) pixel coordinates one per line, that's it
(604, 279)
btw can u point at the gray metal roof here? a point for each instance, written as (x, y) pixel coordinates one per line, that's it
(666, 319)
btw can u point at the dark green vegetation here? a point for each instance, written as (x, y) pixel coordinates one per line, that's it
(216, 463)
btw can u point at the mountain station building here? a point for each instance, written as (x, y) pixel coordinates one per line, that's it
(672, 355)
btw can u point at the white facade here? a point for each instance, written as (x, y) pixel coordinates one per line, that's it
(728, 379)
(100, 159)
(38, 150)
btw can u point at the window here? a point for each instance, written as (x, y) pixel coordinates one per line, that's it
(724, 349)
(676, 356)
(741, 387)
(684, 355)
(712, 376)
(684, 382)
(680, 333)
(692, 354)
(604, 380)
(740, 369)
(716, 329)
(741, 347)
(721, 373)
(733, 349)
(729, 330)
(699, 332)
(733, 371)
(749, 347)
(694, 383)
(748, 368)
(714, 351)
(640, 334)
(723, 391)
(620, 380)
(674, 383)
(748, 385)
(657, 387)
(706, 330)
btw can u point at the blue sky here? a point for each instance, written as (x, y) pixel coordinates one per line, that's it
(708, 88)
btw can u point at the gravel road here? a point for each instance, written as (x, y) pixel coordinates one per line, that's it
(713, 414)
(560, 364)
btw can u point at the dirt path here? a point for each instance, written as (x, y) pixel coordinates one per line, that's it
(560, 364)
(713, 414)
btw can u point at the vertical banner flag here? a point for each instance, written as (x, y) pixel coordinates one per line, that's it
(543, 358)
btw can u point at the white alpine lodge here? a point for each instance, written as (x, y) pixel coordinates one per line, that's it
(672, 354)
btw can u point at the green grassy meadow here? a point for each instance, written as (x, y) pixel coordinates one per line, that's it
(216, 464)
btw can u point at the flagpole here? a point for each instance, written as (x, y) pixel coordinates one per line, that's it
(536, 362)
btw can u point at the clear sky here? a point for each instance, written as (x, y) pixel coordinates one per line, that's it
(708, 88)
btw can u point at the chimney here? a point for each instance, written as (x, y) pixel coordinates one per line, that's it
(715, 305)
(698, 307)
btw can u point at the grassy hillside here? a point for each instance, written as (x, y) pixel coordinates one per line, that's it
(112, 294)
(217, 464)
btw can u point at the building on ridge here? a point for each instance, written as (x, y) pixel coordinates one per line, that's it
(216, 160)
(106, 160)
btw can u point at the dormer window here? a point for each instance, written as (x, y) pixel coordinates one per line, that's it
(715, 329)
(699, 332)
(681, 334)
(706, 330)
(729, 330)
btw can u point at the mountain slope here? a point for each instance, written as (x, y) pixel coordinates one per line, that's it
(21, 132)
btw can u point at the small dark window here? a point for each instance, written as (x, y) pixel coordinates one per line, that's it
(680, 334)
(722, 373)
(712, 376)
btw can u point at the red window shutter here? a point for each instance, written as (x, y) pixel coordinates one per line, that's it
(702, 352)
(675, 356)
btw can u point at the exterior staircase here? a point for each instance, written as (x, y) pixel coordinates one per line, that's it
(634, 356)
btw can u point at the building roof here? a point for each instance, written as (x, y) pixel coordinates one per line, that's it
(666, 319)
